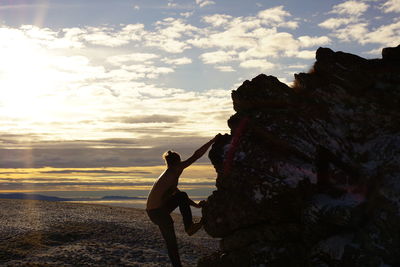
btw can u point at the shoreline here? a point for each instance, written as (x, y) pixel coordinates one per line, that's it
(49, 233)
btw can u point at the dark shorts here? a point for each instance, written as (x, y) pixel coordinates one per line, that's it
(160, 216)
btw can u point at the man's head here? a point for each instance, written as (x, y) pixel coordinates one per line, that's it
(171, 158)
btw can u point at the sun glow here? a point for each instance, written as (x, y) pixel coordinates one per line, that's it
(27, 80)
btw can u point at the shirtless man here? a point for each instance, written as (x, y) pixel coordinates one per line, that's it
(165, 196)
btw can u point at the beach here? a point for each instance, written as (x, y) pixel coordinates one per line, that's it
(43, 233)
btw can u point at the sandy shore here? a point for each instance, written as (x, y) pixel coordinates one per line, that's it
(41, 233)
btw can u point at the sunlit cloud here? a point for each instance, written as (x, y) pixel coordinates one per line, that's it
(133, 57)
(218, 57)
(304, 54)
(385, 35)
(309, 41)
(177, 61)
(104, 36)
(146, 85)
(60, 88)
(351, 7)
(276, 16)
(298, 66)
(170, 4)
(225, 68)
(353, 32)
(150, 119)
(169, 35)
(186, 14)
(203, 3)
(391, 6)
(334, 23)
(217, 20)
(257, 63)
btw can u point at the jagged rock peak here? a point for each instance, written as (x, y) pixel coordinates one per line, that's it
(262, 90)
(391, 53)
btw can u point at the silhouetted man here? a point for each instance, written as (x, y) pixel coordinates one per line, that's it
(165, 196)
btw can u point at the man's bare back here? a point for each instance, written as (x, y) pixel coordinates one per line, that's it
(163, 188)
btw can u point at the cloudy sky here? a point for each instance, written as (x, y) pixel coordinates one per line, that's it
(100, 83)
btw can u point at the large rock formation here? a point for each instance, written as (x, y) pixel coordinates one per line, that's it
(309, 175)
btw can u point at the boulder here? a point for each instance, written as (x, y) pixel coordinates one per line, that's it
(309, 174)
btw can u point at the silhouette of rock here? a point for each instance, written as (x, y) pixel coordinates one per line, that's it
(309, 175)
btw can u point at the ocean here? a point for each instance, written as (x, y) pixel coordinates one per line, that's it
(113, 186)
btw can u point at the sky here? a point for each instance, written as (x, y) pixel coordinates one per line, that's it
(106, 84)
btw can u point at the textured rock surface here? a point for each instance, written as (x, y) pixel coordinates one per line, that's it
(309, 175)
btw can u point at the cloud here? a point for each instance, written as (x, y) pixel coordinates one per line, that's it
(217, 20)
(70, 171)
(77, 96)
(133, 57)
(258, 64)
(150, 119)
(391, 6)
(113, 94)
(271, 43)
(352, 27)
(349, 26)
(308, 41)
(301, 67)
(252, 37)
(22, 6)
(334, 23)
(170, 4)
(77, 154)
(218, 57)
(149, 71)
(186, 14)
(177, 61)
(104, 36)
(203, 3)
(276, 16)
(136, 7)
(304, 54)
(353, 32)
(169, 35)
(225, 68)
(386, 35)
(351, 7)
(238, 33)
(35, 37)
(117, 179)
(78, 37)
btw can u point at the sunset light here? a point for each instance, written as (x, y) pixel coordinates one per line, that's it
(104, 90)
(199, 133)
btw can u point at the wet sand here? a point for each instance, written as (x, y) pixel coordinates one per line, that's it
(42, 233)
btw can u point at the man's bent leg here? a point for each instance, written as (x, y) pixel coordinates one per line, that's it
(168, 234)
(182, 200)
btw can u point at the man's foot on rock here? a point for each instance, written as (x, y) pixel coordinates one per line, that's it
(191, 230)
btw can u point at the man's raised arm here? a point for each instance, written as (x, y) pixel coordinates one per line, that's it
(198, 153)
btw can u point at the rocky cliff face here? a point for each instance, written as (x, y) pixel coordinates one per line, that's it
(310, 174)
